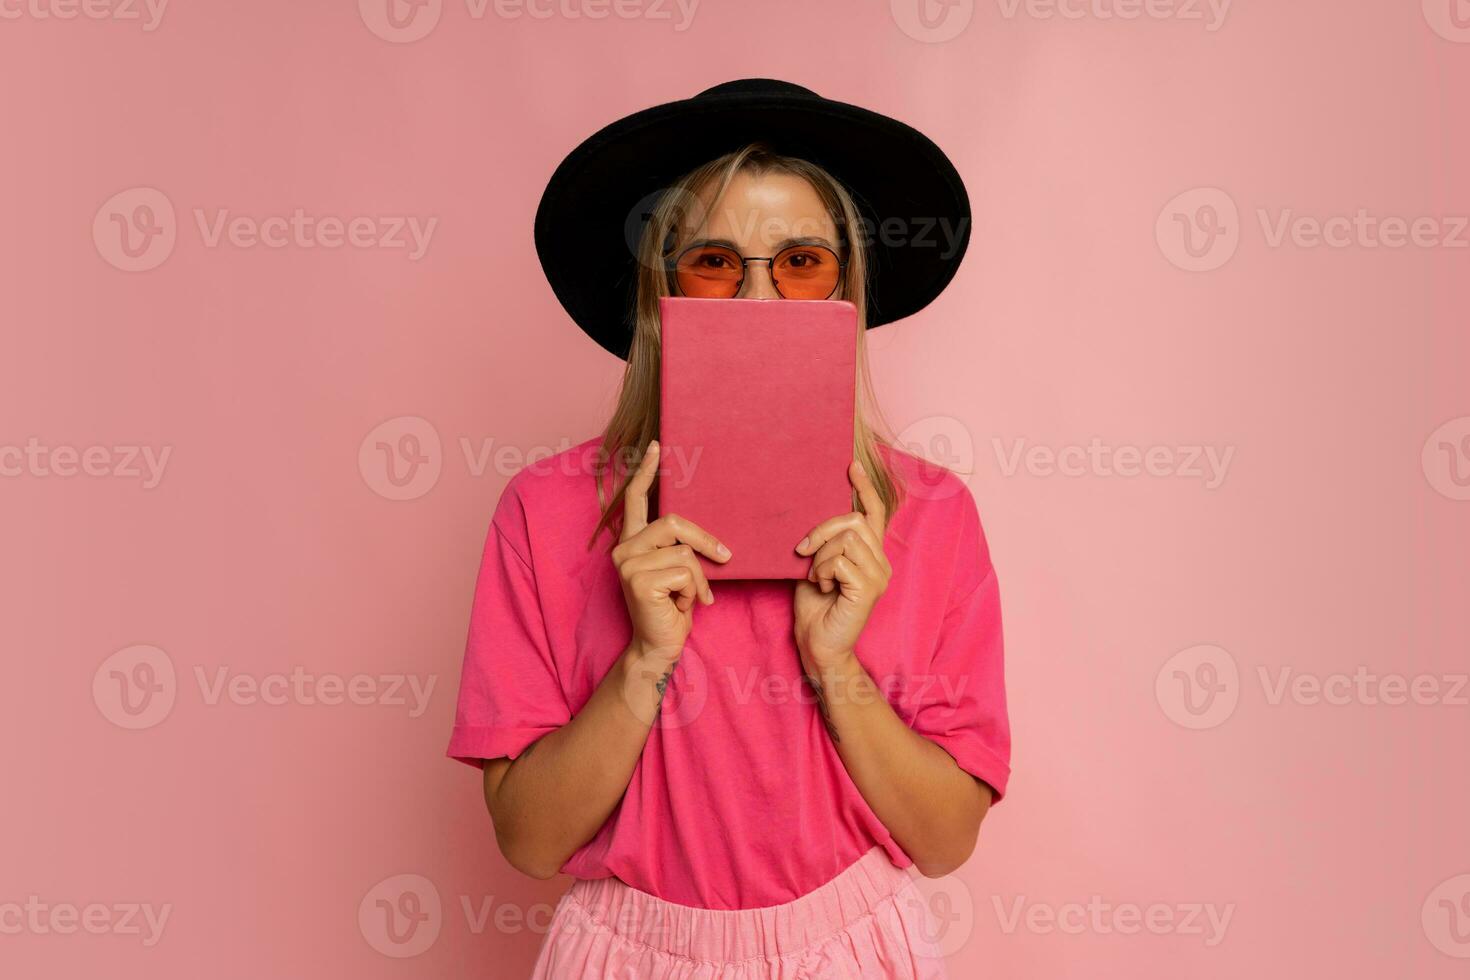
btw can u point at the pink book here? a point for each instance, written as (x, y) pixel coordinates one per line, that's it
(756, 424)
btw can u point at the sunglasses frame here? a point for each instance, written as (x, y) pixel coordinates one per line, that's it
(672, 266)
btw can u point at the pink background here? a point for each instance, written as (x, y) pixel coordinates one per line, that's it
(1333, 834)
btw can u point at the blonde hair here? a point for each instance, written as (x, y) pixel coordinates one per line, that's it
(635, 421)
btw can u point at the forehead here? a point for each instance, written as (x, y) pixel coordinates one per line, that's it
(761, 210)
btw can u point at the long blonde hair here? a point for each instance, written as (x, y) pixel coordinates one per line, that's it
(635, 421)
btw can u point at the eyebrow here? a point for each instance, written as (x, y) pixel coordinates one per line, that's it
(783, 244)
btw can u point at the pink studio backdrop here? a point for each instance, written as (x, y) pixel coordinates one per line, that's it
(1204, 367)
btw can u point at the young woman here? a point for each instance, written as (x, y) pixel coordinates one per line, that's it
(737, 775)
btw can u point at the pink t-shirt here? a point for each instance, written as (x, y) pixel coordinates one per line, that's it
(740, 799)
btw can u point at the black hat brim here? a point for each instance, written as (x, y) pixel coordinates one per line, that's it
(908, 192)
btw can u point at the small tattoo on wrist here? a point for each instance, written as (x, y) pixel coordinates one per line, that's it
(823, 709)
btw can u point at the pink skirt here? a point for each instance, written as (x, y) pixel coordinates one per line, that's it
(868, 922)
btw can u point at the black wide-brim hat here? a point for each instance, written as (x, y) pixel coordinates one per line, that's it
(593, 209)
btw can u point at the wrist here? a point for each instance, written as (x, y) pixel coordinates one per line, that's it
(839, 664)
(837, 676)
(641, 674)
(643, 654)
(838, 683)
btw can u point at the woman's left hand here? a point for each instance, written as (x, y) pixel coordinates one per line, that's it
(848, 575)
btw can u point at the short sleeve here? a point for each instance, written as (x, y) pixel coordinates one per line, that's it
(966, 714)
(509, 693)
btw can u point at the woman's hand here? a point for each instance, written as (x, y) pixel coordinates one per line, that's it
(849, 573)
(660, 574)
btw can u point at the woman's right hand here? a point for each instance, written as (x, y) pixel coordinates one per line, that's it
(659, 570)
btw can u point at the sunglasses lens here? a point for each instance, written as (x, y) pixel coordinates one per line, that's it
(806, 272)
(709, 272)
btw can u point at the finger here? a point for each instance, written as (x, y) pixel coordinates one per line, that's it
(836, 572)
(672, 557)
(869, 497)
(675, 583)
(830, 528)
(673, 529)
(635, 496)
(848, 542)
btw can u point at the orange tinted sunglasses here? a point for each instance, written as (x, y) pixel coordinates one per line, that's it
(706, 270)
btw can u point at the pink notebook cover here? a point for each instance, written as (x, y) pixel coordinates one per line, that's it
(756, 424)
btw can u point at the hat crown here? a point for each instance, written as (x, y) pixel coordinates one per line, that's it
(595, 207)
(746, 87)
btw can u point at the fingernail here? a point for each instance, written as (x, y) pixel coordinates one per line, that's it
(709, 597)
(801, 545)
(653, 445)
(721, 550)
